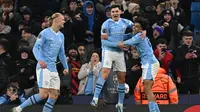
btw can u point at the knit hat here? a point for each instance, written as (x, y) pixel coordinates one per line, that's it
(160, 30)
(168, 11)
(107, 8)
(25, 49)
(27, 11)
(131, 6)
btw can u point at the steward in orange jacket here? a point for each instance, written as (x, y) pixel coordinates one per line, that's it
(164, 90)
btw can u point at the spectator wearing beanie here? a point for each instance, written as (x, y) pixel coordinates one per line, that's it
(132, 12)
(108, 12)
(158, 33)
(25, 74)
(27, 16)
(172, 29)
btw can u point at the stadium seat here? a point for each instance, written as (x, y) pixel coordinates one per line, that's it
(195, 17)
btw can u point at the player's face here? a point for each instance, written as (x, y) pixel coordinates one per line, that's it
(188, 40)
(115, 13)
(137, 28)
(60, 21)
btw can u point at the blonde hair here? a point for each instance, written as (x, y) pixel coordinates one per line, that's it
(54, 16)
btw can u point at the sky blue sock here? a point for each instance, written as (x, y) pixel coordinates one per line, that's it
(48, 107)
(31, 101)
(157, 108)
(99, 85)
(121, 93)
(152, 107)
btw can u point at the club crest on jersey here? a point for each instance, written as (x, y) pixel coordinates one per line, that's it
(39, 36)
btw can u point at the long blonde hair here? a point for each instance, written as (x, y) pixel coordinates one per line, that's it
(55, 15)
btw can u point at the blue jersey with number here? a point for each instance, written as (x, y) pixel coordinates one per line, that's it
(144, 48)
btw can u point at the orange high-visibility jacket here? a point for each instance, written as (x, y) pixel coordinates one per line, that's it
(164, 90)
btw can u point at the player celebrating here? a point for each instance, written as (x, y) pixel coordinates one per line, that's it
(49, 45)
(150, 64)
(113, 31)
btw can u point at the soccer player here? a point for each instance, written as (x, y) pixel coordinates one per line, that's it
(113, 31)
(49, 45)
(150, 64)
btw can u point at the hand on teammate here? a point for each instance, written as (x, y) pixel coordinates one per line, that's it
(65, 71)
(122, 46)
(104, 36)
(42, 64)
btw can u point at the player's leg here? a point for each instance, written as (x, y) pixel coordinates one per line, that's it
(148, 75)
(43, 91)
(106, 66)
(121, 90)
(53, 92)
(150, 96)
(120, 66)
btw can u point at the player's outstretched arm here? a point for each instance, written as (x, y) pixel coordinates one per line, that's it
(134, 40)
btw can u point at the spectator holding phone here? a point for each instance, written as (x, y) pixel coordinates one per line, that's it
(187, 58)
(163, 55)
(12, 95)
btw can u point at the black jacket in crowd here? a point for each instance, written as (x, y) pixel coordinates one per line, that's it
(8, 61)
(25, 73)
(187, 67)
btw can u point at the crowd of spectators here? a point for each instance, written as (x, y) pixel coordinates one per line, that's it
(21, 21)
